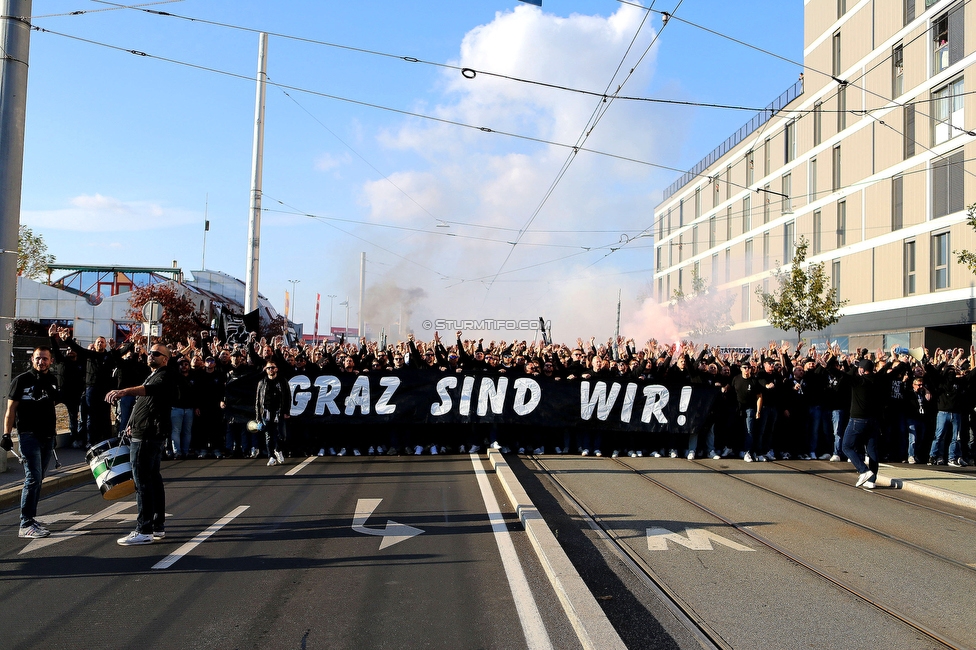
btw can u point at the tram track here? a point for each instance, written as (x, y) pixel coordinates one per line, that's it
(691, 618)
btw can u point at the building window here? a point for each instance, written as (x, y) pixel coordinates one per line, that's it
(728, 182)
(767, 161)
(667, 296)
(909, 268)
(812, 184)
(947, 185)
(660, 260)
(835, 56)
(947, 38)
(817, 243)
(766, 251)
(660, 290)
(728, 264)
(697, 202)
(750, 167)
(897, 202)
(681, 280)
(714, 277)
(728, 223)
(745, 303)
(787, 186)
(694, 240)
(681, 213)
(897, 71)
(841, 223)
(908, 11)
(681, 249)
(841, 7)
(835, 279)
(716, 198)
(670, 257)
(789, 135)
(765, 195)
(711, 231)
(697, 272)
(747, 213)
(835, 172)
(947, 111)
(817, 123)
(841, 108)
(669, 222)
(788, 242)
(765, 288)
(748, 258)
(940, 261)
(909, 130)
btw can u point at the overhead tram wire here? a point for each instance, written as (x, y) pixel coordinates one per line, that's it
(587, 131)
(82, 12)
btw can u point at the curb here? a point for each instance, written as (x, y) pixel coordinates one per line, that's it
(939, 494)
(588, 619)
(68, 478)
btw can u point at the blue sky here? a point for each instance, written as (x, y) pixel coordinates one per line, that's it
(124, 152)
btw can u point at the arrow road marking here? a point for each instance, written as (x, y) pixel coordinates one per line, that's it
(698, 539)
(394, 533)
(113, 510)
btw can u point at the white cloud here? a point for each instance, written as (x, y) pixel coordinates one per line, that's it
(97, 213)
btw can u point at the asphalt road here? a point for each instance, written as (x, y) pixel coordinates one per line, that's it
(287, 569)
(741, 546)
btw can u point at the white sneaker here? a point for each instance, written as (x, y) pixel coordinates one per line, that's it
(135, 538)
(280, 456)
(673, 453)
(868, 485)
(691, 455)
(474, 449)
(715, 456)
(33, 531)
(158, 535)
(834, 459)
(655, 454)
(272, 461)
(615, 454)
(747, 457)
(418, 450)
(495, 445)
(632, 454)
(322, 451)
(342, 452)
(598, 453)
(255, 452)
(825, 457)
(640, 454)
(911, 460)
(585, 452)
(863, 478)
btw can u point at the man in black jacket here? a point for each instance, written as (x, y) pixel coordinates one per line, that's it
(271, 407)
(861, 435)
(100, 362)
(149, 427)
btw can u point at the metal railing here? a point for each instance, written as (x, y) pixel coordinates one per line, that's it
(744, 132)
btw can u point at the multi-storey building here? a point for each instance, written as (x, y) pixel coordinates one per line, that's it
(870, 156)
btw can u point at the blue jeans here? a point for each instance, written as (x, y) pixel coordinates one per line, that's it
(150, 498)
(838, 419)
(816, 424)
(37, 454)
(916, 433)
(752, 427)
(943, 420)
(182, 421)
(274, 435)
(125, 410)
(860, 437)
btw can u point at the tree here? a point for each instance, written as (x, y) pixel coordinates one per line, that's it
(804, 301)
(180, 319)
(964, 257)
(32, 256)
(705, 311)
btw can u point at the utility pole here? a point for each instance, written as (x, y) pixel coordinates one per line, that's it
(362, 295)
(15, 46)
(332, 298)
(206, 229)
(257, 171)
(294, 292)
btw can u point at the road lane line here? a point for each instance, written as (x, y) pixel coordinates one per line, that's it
(536, 635)
(297, 468)
(171, 559)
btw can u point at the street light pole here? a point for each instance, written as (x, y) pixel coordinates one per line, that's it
(294, 292)
(332, 298)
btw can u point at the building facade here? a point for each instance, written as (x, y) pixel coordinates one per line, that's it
(869, 157)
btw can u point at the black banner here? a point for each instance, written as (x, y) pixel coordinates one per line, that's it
(428, 397)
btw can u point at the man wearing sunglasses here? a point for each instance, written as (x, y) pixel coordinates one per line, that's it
(149, 427)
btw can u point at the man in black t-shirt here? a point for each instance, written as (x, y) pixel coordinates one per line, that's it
(149, 426)
(749, 395)
(30, 408)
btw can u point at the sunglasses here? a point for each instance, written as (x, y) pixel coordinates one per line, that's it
(156, 353)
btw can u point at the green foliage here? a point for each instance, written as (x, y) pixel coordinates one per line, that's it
(32, 256)
(702, 312)
(968, 258)
(804, 301)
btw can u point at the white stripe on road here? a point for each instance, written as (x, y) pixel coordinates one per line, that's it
(170, 560)
(532, 625)
(297, 468)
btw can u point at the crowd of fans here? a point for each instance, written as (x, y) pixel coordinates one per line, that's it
(777, 402)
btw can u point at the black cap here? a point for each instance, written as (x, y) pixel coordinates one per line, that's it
(866, 364)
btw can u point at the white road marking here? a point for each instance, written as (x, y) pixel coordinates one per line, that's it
(534, 629)
(113, 510)
(297, 468)
(697, 539)
(394, 533)
(171, 559)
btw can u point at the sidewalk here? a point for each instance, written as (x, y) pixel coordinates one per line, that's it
(74, 471)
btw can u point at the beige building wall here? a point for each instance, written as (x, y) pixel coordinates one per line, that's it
(851, 154)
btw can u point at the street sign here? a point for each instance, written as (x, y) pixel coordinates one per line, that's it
(152, 311)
